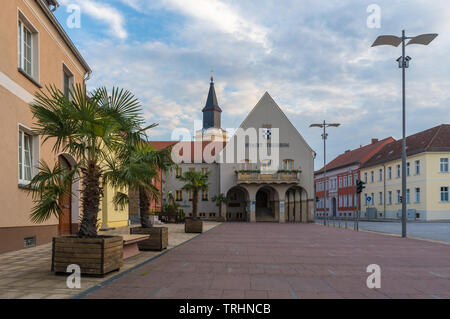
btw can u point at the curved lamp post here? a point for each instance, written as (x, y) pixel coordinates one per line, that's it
(324, 125)
(403, 63)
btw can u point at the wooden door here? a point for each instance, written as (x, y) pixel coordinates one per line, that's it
(65, 219)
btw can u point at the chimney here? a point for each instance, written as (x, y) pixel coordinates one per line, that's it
(347, 151)
(374, 140)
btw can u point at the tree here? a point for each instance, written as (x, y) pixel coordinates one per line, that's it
(195, 182)
(91, 128)
(139, 168)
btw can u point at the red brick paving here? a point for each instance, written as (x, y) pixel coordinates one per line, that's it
(269, 260)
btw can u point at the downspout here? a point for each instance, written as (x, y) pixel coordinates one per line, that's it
(384, 191)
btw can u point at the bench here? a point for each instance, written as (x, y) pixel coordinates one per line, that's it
(130, 244)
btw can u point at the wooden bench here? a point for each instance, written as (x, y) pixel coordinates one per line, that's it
(130, 244)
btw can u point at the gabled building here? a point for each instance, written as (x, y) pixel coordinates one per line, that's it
(276, 187)
(428, 177)
(341, 175)
(35, 51)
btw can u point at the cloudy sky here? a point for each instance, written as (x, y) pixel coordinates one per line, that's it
(312, 56)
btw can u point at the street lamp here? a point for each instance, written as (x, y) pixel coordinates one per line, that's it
(403, 63)
(324, 125)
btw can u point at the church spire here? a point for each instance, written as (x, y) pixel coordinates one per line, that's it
(211, 111)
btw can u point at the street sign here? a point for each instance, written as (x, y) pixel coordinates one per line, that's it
(369, 199)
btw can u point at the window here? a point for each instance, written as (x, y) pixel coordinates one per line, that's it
(398, 197)
(345, 181)
(444, 165)
(245, 166)
(444, 194)
(373, 198)
(345, 200)
(28, 149)
(408, 196)
(350, 180)
(67, 81)
(340, 182)
(178, 172)
(417, 167)
(27, 44)
(398, 171)
(190, 195)
(365, 177)
(191, 169)
(408, 169)
(340, 201)
(365, 199)
(288, 164)
(204, 170)
(380, 198)
(390, 198)
(350, 200)
(372, 178)
(179, 196)
(417, 195)
(266, 165)
(205, 195)
(380, 174)
(390, 172)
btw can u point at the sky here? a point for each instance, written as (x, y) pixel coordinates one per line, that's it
(314, 57)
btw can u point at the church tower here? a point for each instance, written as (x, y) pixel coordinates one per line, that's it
(212, 113)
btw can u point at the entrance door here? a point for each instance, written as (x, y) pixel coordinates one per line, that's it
(65, 219)
(334, 207)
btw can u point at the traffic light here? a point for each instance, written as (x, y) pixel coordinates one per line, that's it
(360, 186)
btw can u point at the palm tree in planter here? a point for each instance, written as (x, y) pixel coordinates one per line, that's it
(139, 168)
(221, 200)
(91, 128)
(194, 182)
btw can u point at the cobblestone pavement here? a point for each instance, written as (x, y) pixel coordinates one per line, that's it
(268, 260)
(26, 273)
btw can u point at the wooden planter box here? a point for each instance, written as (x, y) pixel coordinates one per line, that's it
(95, 256)
(193, 226)
(159, 237)
(220, 219)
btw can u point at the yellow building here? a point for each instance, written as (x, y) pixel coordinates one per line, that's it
(428, 178)
(110, 215)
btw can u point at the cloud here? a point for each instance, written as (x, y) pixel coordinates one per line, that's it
(319, 65)
(104, 13)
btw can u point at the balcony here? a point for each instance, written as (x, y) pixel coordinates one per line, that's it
(256, 177)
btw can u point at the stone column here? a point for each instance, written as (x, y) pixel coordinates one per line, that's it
(223, 211)
(291, 206)
(252, 210)
(297, 208)
(304, 209)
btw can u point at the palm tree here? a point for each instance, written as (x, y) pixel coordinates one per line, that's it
(91, 129)
(195, 182)
(138, 169)
(219, 199)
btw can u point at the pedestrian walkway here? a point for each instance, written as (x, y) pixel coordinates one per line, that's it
(271, 260)
(26, 273)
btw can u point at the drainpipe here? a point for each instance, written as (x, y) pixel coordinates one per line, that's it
(384, 191)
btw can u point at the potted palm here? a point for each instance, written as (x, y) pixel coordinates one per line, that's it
(139, 168)
(91, 129)
(221, 200)
(194, 182)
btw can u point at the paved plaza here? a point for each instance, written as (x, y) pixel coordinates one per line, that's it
(25, 274)
(271, 260)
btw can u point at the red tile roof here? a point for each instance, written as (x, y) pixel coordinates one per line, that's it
(436, 139)
(197, 149)
(356, 156)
